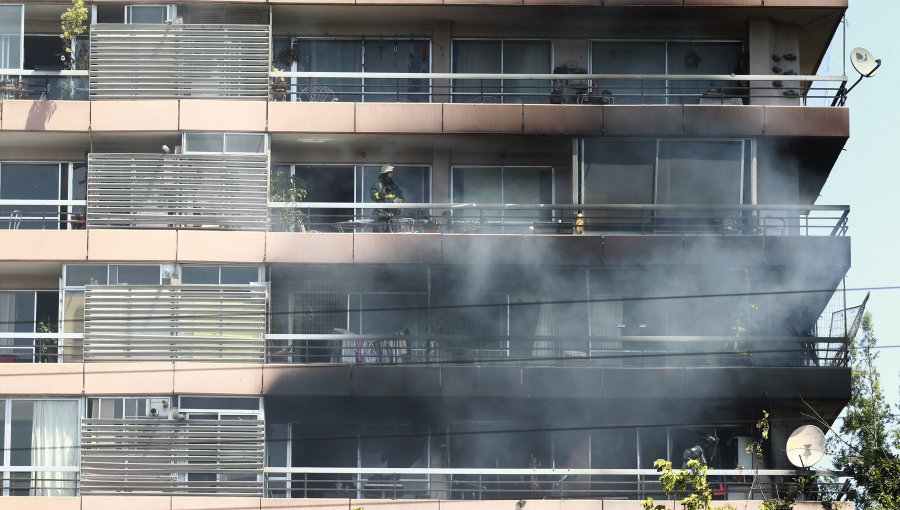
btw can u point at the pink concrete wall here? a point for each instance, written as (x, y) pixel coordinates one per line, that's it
(25, 115)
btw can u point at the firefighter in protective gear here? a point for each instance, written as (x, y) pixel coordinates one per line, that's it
(385, 191)
(579, 223)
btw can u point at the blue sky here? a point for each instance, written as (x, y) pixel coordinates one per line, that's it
(867, 175)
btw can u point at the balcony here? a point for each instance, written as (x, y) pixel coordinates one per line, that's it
(171, 323)
(568, 219)
(560, 89)
(178, 191)
(144, 61)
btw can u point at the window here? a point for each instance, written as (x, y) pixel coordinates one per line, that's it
(149, 13)
(41, 433)
(356, 55)
(12, 21)
(28, 312)
(501, 57)
(241, 143)
(38, 187)
(689, 172)
(350, 184)
(503, 185)
(215, 275)
(663, 57)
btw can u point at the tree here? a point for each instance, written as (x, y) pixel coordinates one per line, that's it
(867, 444)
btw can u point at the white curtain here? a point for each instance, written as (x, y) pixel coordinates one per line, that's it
(54, 442)
(7, 318)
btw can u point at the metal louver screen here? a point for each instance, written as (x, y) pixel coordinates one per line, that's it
(163, 456)
(171, 61)
(184, 191)
(171, 323)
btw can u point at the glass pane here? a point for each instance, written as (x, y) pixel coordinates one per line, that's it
(245, 142)
(147, 13)
(619, 172)
(414, 182)
(79, 181)
(250, 404)
(328, 184)
(393, 56)
(624, 57)
(73, 313)
(700, 172)
(527, 185)
(477, 57)
(479, 185)
(29, 182)
(134, 275)
(702, 58)
(2, 425)
(526, 57)
(20, 440)
(200, 275)
(324, 56)
(11, 36)
(232, 275)
(203, 142)
(79, 275)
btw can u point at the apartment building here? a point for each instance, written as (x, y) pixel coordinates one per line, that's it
(609, 250)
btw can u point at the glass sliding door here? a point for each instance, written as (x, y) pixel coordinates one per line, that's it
(701, 58)
(477, 57)
(526, 57)
(630, 57)
(503, 185)
(12, 21)
(396, 56)
(329, 56)
(506, 57)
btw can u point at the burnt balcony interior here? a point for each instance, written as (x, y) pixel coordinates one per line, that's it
(543, 315)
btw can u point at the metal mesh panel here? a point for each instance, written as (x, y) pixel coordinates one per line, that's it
(190, 322)
(166, 61)
(227, 191)
(163, 456)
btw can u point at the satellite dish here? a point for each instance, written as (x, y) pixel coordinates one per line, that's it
(863, 61)
(806, 446)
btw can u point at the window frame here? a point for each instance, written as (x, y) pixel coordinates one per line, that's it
(224, 134)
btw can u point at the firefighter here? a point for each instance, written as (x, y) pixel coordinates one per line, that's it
(385, 191)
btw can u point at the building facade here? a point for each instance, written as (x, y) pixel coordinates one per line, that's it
(608, 251)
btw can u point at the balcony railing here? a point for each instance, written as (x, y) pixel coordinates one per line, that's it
(597, 89)
(39, 480)
(519, 484)
(40, 347)
(42, 214)
(38, 85)
(141, 61)
(612, 351)
(766, 220)
(183, 191)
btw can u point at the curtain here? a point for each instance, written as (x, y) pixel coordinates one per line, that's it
(54, 442)
(7, 318)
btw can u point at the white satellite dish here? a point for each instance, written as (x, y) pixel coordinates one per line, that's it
(806, 446)
(863, 61)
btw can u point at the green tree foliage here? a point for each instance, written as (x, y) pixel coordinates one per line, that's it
(72, 23)
(868, 441)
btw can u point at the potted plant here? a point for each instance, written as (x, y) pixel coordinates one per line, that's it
(290, 189)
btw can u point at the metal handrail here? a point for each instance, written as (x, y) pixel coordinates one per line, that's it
(570, 77)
